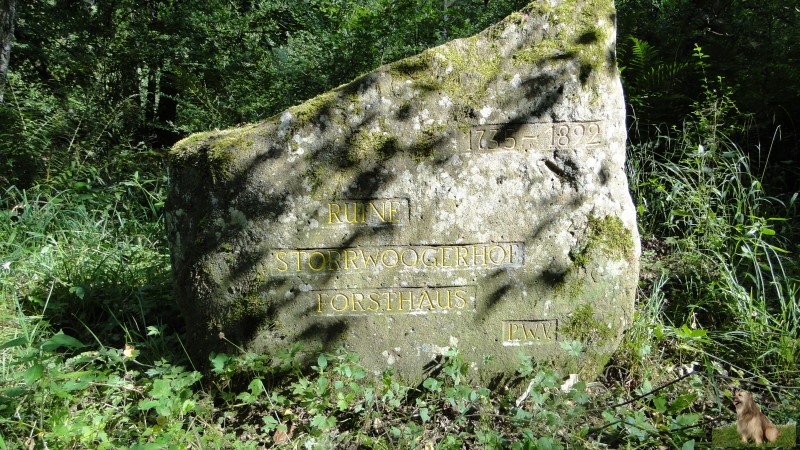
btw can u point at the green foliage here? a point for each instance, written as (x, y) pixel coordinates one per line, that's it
(96, 268)
(652, 86)
(718, 257)
(90, 79)
(63, 391)
(751, 42)
(750, 46)
(703, 197)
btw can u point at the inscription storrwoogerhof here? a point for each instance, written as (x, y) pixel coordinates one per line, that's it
(290, 261)
(434, 202)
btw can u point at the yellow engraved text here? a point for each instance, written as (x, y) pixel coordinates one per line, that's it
(419, 257)
(520, 332)
(410, 300)
(370, 212)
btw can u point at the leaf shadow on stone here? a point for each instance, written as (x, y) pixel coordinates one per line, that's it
(542, 92)
(266, 208)
(492, 299)
(338, 166)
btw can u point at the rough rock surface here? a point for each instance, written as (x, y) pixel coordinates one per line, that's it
(471, 197)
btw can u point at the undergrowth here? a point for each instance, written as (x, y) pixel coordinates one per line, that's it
(728, 248)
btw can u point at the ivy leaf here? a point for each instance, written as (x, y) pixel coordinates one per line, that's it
(424, 415)
(161, 389)
(547, 443)
(660, 404)
(685, 420)
(573, 348)
(256, 387)
(218, 362)
(432, 384)
(682, 402)
(323, 422)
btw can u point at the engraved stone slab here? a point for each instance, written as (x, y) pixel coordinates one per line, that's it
(472, 196)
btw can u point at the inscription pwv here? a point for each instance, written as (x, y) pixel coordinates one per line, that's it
(535, 136)
(528, 332)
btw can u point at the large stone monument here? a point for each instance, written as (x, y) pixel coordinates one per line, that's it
(470, 197)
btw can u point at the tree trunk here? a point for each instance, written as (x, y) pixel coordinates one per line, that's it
(6, 38)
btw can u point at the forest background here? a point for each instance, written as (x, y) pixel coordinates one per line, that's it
(94, 94)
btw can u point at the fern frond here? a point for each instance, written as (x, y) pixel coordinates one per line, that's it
(643, 55)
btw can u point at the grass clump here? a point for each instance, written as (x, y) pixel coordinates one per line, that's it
(728, 437)
(728, 243)
(85, 338)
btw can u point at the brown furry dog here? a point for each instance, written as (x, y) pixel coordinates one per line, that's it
(751, 423)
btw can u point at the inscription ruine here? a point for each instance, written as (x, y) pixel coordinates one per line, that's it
(369, 212)
(398, 300)
(528, 332)
(535, 136)
(461, 256)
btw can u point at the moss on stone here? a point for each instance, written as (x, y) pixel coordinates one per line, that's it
(608, 235)
(357, 104)
(411, 66)
(582, 325)
(606, 239)
(371, 146)
(246, 308)
(446, 68)
(309, 111)
(476, 62)
(217, 268)
(420, 70)
(326, 181)
(222, 157)
(515, 17)
(219, 148)
(581, 35)
(425, 146)
(570, 287)
(190, 145)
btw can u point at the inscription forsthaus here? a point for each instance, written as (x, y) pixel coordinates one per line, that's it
(408, 300)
